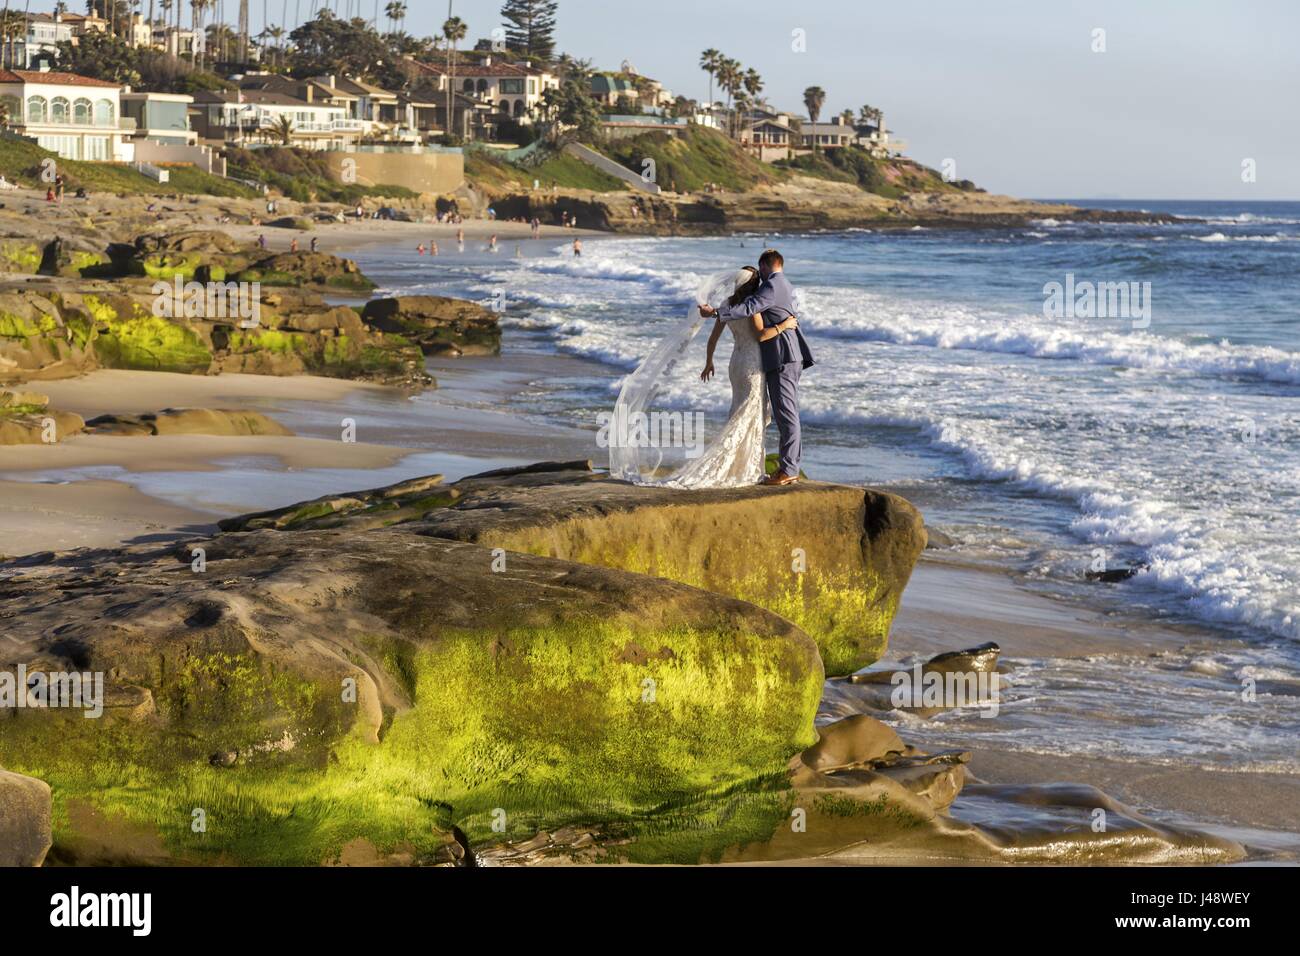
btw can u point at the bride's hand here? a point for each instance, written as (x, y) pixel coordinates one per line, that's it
(707, 373)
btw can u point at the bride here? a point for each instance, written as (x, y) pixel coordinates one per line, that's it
(734, 457)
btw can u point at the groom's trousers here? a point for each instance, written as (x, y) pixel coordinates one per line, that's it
(783, 396)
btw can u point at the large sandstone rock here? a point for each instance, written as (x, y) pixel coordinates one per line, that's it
(24, 820)
(831, 558)
(439, 325)
(382, 684)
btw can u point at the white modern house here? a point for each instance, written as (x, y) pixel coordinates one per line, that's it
(74, 116)
(260, 116)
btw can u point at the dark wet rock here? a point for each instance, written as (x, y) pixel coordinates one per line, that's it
(54, 258)
(1115, 575)
(981, 658)
(439, 325)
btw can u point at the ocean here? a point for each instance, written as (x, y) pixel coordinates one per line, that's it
(1154, 426)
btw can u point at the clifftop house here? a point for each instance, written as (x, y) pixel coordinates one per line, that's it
(513, 89)
(75, 116)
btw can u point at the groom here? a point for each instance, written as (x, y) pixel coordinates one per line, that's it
(784, 357)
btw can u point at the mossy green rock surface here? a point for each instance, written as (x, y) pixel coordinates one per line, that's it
(318, 689)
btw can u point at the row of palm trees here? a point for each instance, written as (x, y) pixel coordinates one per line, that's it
(741, 84)
(744, 85)
(117, 13)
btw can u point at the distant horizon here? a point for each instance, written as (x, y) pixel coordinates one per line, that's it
(1022, 98)
(1244, 202)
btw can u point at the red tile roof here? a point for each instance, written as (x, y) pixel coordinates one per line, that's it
(54, 77)
(475, 69)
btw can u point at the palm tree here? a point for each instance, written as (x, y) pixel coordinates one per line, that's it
(396, 13)
(274, 34)
(453, 31)
(869, 116)
(813, 98)
(13, 25)
(710, 60)
(282, 129)
(729, 78)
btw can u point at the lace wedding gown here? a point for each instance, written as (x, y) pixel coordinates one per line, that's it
(734, 456)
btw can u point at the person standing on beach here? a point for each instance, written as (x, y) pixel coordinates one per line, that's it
(577, 247)
(261, 241)
(433, 248)
(293, 245)
(313, 243)
(492, 243)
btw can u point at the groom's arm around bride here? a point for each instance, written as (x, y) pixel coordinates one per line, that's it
(774, 300)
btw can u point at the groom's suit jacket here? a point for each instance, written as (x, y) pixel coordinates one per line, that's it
(774, 298)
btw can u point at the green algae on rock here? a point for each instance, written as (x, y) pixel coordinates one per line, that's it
(542, 695)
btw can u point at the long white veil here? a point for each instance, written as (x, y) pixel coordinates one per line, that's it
(636, 453)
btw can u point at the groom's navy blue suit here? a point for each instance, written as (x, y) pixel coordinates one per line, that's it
(784, 357)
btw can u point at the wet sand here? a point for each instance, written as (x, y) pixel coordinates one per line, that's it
(949, 606)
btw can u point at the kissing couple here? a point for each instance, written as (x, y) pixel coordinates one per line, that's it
(769, 353)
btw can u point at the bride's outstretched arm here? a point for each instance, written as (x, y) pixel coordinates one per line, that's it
(785, 325)
(708, 356)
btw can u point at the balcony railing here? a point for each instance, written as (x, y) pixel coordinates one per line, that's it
(124, 123)
(272, 121)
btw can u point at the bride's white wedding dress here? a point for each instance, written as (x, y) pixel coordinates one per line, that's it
(734, 456)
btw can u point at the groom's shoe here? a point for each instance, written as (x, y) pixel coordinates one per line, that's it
(779, 479)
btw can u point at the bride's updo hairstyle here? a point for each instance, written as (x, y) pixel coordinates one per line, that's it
(747, 280)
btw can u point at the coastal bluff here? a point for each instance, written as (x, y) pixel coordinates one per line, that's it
(531, 665)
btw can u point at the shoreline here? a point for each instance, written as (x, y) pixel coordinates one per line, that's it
(948, 605)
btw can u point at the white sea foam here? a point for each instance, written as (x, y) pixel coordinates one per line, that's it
(1219, 564)
(852, 314)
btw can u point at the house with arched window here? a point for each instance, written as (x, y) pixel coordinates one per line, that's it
(511, 90)
(75, 116)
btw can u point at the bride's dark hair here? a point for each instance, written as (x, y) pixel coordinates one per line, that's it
(746, 290)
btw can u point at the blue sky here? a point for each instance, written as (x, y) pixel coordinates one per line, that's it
(1009, 89)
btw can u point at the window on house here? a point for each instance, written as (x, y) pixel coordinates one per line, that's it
(60, 110)
(82, 112)
(511, 86)
(104, 113)
(37, 109)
